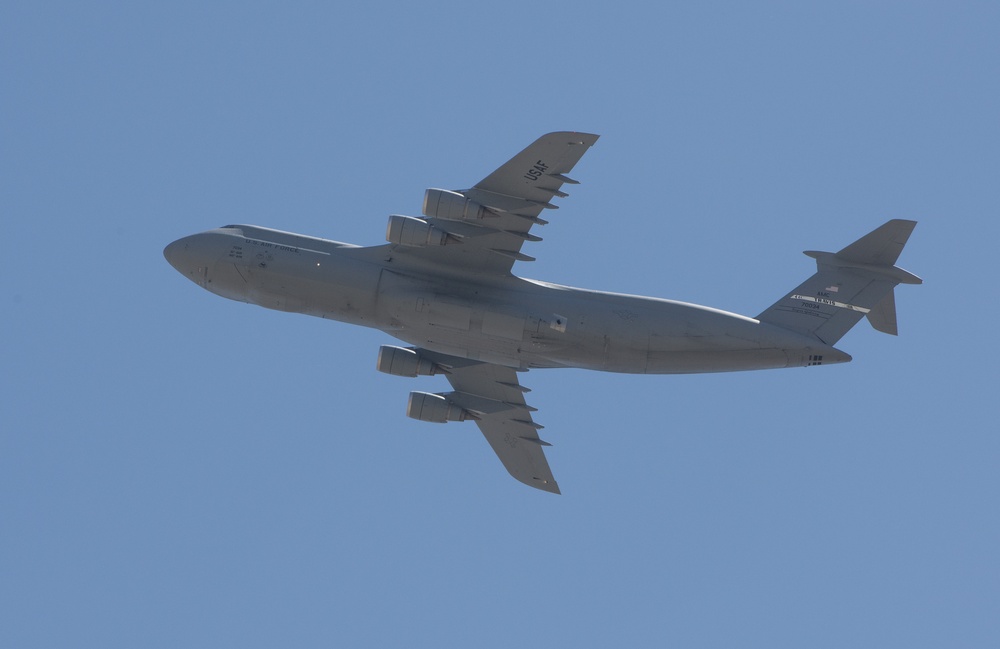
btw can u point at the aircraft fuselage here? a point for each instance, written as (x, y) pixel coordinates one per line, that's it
(508, 320)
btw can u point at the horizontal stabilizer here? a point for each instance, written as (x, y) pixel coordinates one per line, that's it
(881, 246)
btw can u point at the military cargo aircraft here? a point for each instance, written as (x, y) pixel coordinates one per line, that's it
(443, 284)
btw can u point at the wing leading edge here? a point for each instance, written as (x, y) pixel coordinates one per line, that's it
(494, 398)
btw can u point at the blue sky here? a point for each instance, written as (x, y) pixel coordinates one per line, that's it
(181, 470)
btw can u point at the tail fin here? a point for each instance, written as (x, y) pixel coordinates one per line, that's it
(855, 282)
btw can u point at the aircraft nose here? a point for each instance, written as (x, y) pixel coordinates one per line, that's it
(191, 256)
(171, 252)
(178, 254)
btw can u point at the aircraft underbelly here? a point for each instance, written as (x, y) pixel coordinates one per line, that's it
(637, 336)
(731, 360)
(468, 332)
(609, 333)
(325, 286)
(685, 355)
(491, 328)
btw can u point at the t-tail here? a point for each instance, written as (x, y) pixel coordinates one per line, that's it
(856, 282)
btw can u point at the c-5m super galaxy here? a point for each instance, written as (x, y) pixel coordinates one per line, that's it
(443, 284)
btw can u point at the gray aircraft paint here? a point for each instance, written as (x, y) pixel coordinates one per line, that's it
(445, 287)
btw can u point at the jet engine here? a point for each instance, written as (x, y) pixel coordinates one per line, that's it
(434, 408)
(400, 361)
(445, 204)
(411, 231)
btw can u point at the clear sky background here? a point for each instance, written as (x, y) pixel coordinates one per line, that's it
(179, 470)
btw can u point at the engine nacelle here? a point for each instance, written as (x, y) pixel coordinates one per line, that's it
(434, 408)
(445, 204)
(400, 361)
(410, 231)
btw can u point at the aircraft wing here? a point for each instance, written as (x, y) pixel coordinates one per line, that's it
(494, 396)
(481, 230)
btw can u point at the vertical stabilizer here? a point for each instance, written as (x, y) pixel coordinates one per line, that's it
(856, 282)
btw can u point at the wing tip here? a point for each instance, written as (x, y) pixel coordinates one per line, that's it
(574, 137)
(550, 486)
